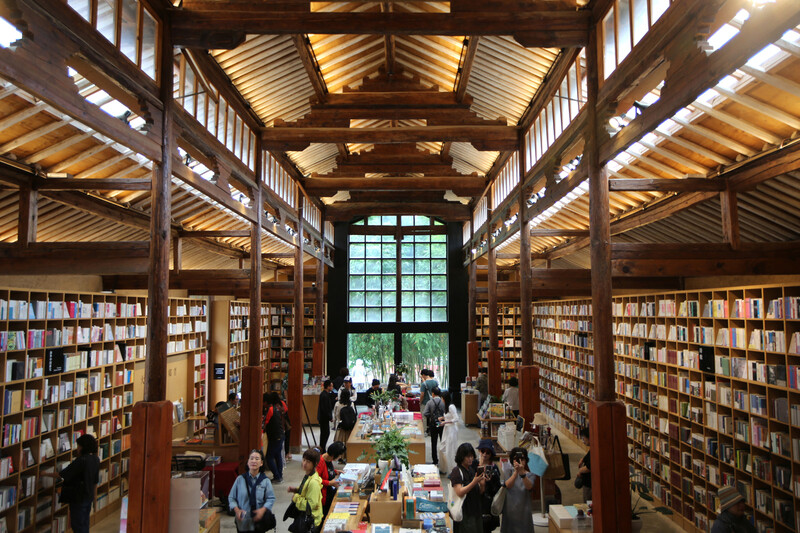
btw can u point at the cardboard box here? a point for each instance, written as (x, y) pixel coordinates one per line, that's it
(384, 510)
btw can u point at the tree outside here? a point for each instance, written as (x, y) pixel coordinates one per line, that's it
(427, 350)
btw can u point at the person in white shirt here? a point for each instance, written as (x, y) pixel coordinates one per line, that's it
(511, 395)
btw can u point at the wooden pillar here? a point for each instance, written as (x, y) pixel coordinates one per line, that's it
(525, 265)
(529, 392)
(177, 254)
(318, 361)
(253, 373)
(295, 392)
(730, 218)
(493, 355)
(608, 439)
(28, 216)
(473, 346)
(149, 494)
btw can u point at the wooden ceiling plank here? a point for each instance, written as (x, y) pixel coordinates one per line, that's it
(57, 147)
(80, 156)
(662, 184)
(345, 211)
(463, 186)
(694, 147)
(784, 84)
(738, 123)
(32, 135)
(108, 184)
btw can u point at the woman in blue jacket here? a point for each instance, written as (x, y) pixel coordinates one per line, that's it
(251, 496)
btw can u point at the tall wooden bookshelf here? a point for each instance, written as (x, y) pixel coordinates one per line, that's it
(46, 406)
(509, 330)
(187, 357)
(710, 383)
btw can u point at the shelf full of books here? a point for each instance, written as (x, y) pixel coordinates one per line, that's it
(68, 362)
(709, 379)
(188, 335)
(509, 331)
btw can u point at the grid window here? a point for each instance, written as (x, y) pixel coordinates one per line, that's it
(391, 280)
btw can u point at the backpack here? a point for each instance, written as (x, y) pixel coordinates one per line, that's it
(438, 411)
(347, 418)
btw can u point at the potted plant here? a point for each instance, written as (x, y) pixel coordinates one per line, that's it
(401, 369)
(639, 508)
(392, 443)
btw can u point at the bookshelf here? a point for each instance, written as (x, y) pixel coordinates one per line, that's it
(68, 364)
(509, 330)
(709, 379)
(187, 357)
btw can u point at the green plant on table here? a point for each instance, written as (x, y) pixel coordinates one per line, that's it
(383, 397)
(643, 493)
(392, 443)
(401, 368)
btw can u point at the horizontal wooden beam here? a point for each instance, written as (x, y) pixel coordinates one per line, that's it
(206, 234)
(707, 267)
(462, 186)
(676, 252)
(486, 138)
(556, 232)
(687, 184)
(112, 184)
(344, 211)
(78, 258)
(213, 21)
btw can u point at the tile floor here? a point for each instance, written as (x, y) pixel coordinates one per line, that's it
(653, 523)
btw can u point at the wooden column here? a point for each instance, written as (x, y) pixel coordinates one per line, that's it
(318, 362)
(473, 346)
(493, 355)
(529, 392)
(295, 392)
(730, 218)
(149, 494)
(253, 373)
(177, 254)
(608, 440)
(525, 266)
(28, 216)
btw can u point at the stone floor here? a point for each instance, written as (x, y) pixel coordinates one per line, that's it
(653, 523)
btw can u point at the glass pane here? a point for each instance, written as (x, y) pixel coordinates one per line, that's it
(373, 250)
(439, 250)
(422, 250)
(374, 299)
(82, 7)
(659, 6)
(439, 238)
(640, 25)
(624, 27)
(439, 267)
(406, 250)
(373, 283)
(406, 220)
(356, 250)
(389, 314)
(374, 221)
(188, 90)
(373, 266)
(427, 350)
(422, 283)
(438, 314)
(373, 238)
(422, 315)
(422, 266)
(389, 267)
(407, 298)
(356, 298)
(390, 221)
(357, 266)
(389, 283)
(373, 314)
(387, 238)
(106, 21)
(407, 267)
(439, 299)
(356, 238)
(407, 314)
(370, 356)
(422, 298)
(422, 221)
(149, 40)
(389, 299)
(127, 38)
(407, 283)
(357, 314)
(609, 48)
(389, 250)
(439, 283)
(357, 283)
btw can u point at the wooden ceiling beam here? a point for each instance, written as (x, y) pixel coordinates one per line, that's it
(209, 25)
(462, 186)
(85, 184)
(76, 258)
(345, 211)
(207, 234)
(484, 138)
(663, 184)
(557, 232)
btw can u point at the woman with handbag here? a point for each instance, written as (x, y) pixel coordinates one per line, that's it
(492, 474)
(345, 415)
(468, 484)
(80, 483)
(251, 497)
(449, 442)
(328, 473)
(519, 481)
(308, 497)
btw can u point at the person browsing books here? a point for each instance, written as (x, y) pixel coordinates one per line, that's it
(80, 483)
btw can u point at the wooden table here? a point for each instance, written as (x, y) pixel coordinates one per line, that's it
(354, 520)
(357, 446)
(469, 408)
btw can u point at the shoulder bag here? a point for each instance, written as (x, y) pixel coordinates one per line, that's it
(455, 503)
(499, 500)
(268, 521)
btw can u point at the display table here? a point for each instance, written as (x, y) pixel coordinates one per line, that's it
(357, 446)
(224, 478)
(469, 408)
